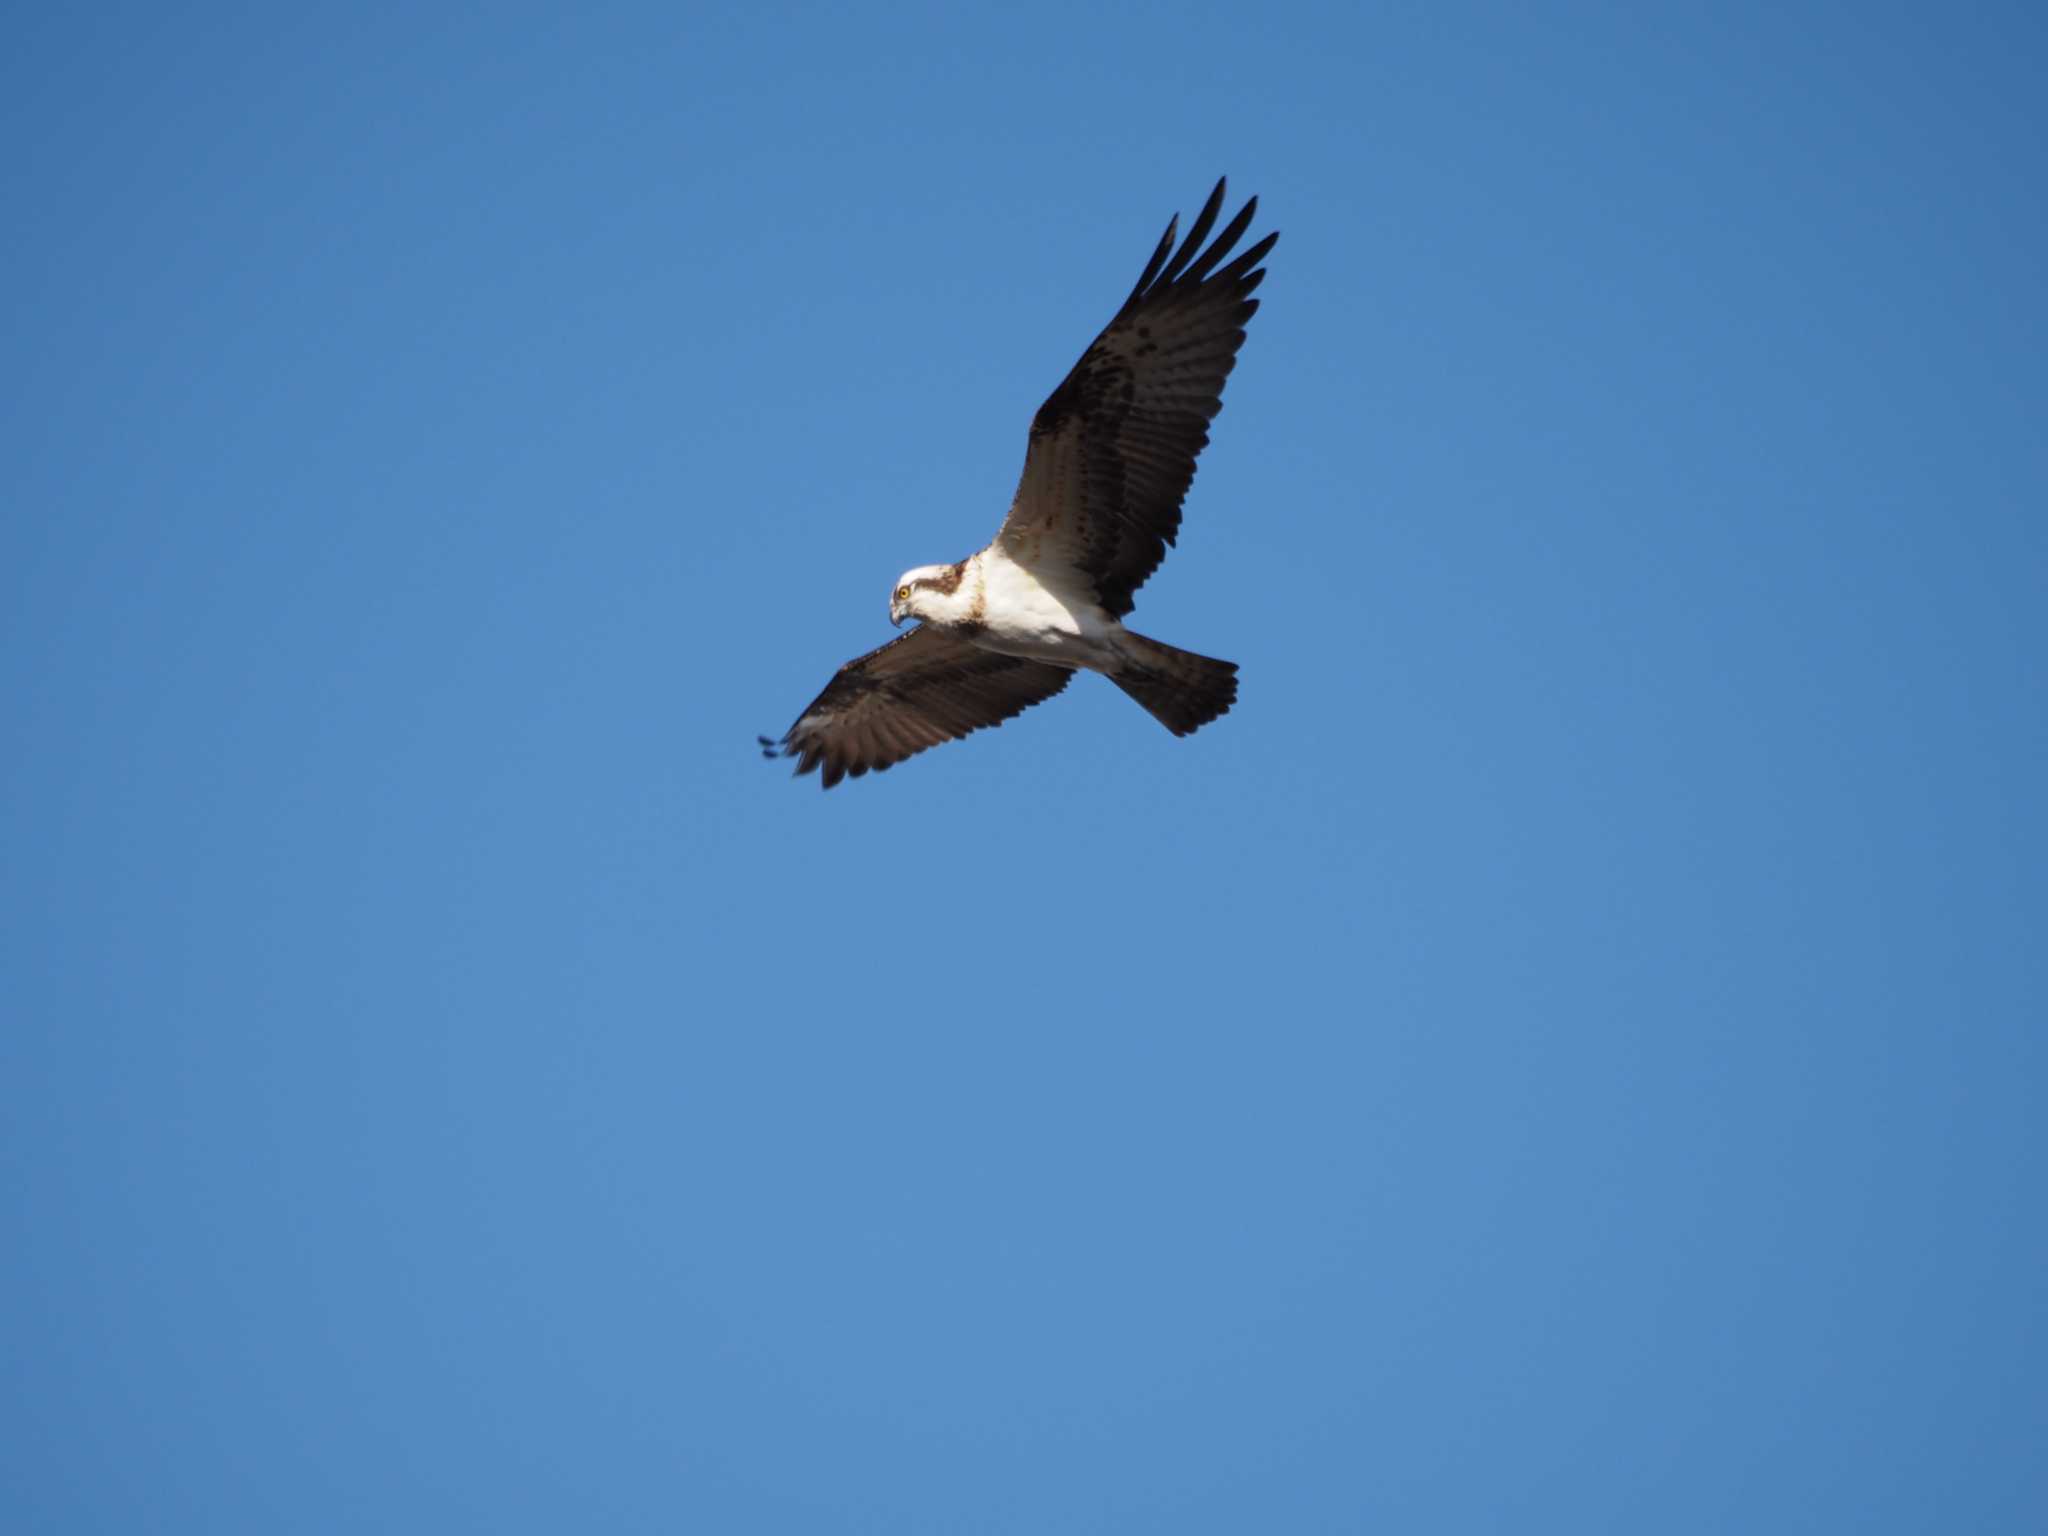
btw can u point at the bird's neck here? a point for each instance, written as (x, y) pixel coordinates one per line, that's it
(964, 604)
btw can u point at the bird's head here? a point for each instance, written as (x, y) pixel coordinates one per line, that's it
(917, 591)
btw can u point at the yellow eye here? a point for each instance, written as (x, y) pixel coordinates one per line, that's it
(902, 593)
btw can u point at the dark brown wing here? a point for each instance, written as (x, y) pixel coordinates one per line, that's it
(918, 690)
(1113, 450)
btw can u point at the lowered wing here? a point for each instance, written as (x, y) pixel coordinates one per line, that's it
(917, 691)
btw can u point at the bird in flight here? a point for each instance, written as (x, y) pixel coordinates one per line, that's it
(1111, 456)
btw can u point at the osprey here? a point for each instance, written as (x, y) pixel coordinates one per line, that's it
(1111, 456)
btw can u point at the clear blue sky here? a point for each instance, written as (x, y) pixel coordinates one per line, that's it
(1566, 1053)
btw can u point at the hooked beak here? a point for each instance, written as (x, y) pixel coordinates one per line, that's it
(896, 616)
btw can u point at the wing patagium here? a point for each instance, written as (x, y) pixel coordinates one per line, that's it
(919, 690)
(1112, 451)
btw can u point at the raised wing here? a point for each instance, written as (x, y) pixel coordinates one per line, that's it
(921, 689)
(1113, 449)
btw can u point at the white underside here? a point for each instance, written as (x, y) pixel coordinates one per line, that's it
(1044, 613)
(1025, 613)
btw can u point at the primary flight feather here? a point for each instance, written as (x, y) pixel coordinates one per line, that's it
(1111, 456)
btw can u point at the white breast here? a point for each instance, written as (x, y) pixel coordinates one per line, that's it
(1027, 616)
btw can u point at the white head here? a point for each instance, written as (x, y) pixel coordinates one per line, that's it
(928, 592)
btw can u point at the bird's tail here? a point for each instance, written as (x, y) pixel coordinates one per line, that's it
(1179, 689)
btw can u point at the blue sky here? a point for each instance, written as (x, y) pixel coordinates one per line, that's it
(1565, 1053)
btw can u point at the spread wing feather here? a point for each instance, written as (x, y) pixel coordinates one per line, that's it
(1113, 449)
(917, 691)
